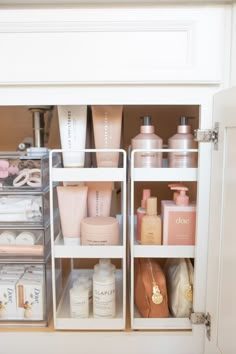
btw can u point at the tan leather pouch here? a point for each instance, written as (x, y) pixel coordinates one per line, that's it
(150, 293)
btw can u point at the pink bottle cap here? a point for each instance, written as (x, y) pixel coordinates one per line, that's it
(181, 199)
(146, 195)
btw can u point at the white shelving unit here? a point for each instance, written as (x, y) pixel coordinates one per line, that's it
(163, 174)
(62, 319)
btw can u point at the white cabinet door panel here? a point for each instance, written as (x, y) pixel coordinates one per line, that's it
(121, 45)
(221, 295)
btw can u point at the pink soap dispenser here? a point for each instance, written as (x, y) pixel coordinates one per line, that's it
(182, 140)
(147, 139)
(178, 218)
(141, 211)
(181, 199)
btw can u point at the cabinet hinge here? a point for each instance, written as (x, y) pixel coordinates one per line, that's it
(207, 135)
(202, 318)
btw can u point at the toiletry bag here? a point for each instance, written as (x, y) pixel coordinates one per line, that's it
(150, 293)
(179, 278)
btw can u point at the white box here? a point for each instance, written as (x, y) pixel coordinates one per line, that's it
(30, 298)
(7, 298)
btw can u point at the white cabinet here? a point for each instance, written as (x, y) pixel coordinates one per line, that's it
(156, 56)
(170, 45)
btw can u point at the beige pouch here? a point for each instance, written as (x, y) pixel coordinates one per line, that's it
(150, 293)
(179, 278)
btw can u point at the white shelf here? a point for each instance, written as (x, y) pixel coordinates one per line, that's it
(64, 321)
(154, 251)
(63, 251)
(164, 174)
(169, 323)
(88, 174)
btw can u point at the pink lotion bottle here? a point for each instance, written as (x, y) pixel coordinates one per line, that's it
(178, 219)
(147, 139)
(141, 211)
(182, 140)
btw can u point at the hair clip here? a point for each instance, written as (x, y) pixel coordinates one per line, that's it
(31, 177)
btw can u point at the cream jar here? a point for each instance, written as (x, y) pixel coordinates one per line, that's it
(100, 231)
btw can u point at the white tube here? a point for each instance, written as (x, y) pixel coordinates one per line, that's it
(73, 124)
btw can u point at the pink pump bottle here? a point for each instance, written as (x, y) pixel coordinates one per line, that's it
(147, 139)
(182, 140)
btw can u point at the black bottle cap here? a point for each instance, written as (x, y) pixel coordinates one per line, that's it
(183, 120)
(146, 120)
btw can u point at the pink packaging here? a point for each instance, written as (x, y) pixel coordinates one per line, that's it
(100, 231)
(179, 223)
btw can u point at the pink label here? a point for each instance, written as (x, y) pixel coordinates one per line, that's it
(181, 228)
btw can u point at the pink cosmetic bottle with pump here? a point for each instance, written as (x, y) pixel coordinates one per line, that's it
(178, 219)
(147, 139)
(141, 211)
(182, 140)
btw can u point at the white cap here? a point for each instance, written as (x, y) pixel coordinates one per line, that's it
(71, 241)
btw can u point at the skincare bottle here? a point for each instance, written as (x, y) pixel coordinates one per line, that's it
(87, 281)
(147, 139)
(178, 219)
(141, 211)
(107, 122)
(151, 224)
(73, 124)
(105, 263)
(99, 198)
(72, 202)
(182, 140)
(104, 293)
(79, 301)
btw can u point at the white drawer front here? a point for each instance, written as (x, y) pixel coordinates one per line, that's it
(149, 45)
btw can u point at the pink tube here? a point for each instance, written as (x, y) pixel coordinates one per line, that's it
(72, 201)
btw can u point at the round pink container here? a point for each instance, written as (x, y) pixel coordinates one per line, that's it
(100, 231)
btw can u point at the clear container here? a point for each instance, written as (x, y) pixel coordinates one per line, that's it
(24, 242)
(25, 293)
(26, 171)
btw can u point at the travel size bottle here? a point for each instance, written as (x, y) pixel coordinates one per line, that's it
(147, 139)
(182, 140)
(104, 293)
(141, 211)
(151, 224)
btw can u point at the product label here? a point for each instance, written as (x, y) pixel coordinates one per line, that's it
(79, 306)
(182, 159)
(147, 159)
(181, 230)
(7, 299)
(30, 299)
(104, 299)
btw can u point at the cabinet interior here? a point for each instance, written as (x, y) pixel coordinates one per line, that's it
(16, 126)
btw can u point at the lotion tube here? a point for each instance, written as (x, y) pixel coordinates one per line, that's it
(72, 124)
(107, 133)
(99, 198)
(72, 202)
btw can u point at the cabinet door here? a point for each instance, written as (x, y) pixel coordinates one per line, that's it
(221, 292)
